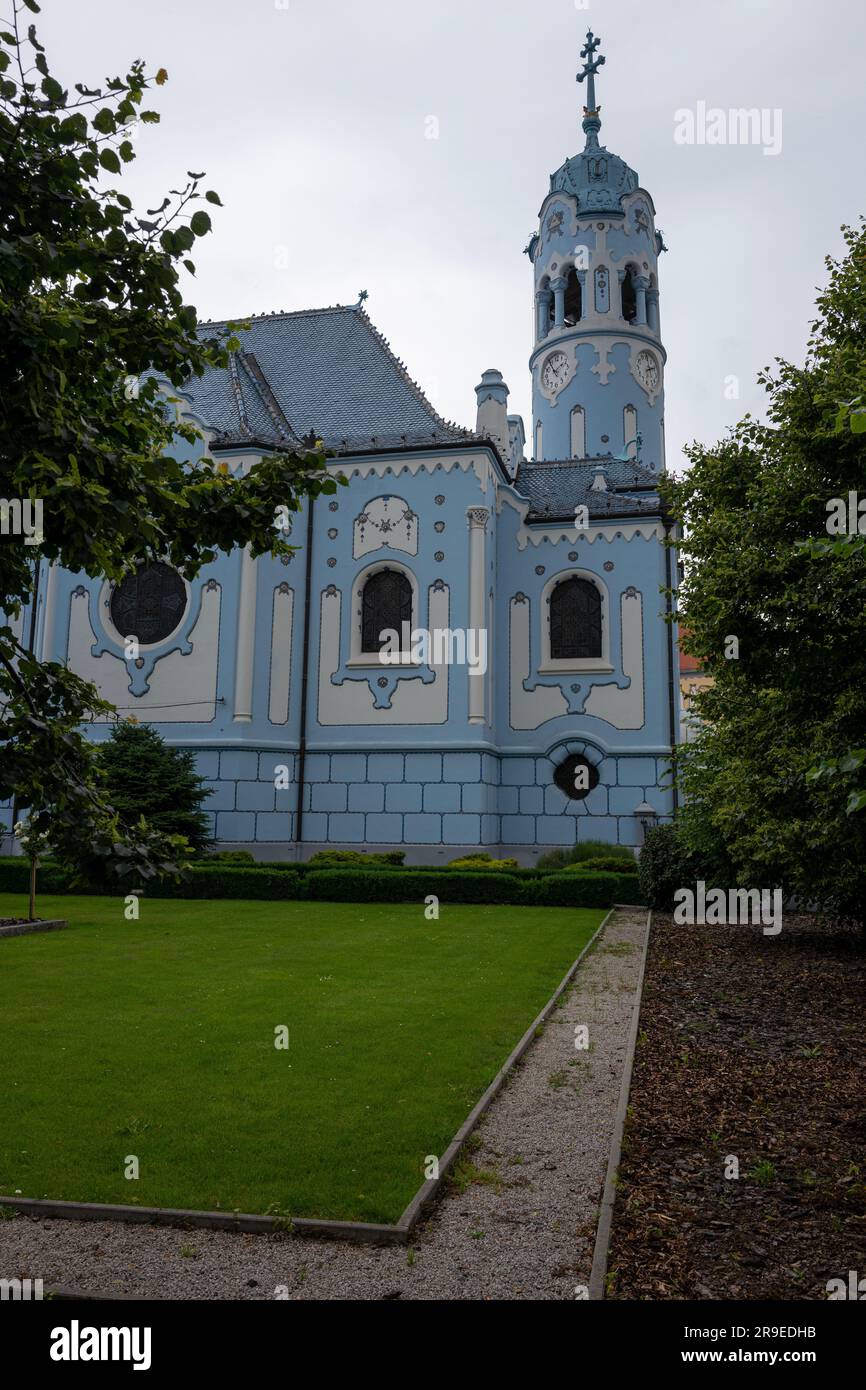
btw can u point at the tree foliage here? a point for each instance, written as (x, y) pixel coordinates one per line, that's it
(91, 306)
(771, 779)
(142, 776)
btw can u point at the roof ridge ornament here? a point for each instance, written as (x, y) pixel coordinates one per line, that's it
(591, 119)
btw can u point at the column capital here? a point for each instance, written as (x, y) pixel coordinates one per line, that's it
(477, 517)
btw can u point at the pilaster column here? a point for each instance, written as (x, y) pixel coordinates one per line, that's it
(542, 313)
(583, 280)
(48, 621)
(558, 287)
(641, 285)
(477, 517)
(245, 641)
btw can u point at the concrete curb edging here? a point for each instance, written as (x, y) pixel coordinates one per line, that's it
(360, 1232)
(40, 924)
(605, 1212)
(430, 1189)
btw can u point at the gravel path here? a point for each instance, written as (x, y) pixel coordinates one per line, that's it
(519, 1221)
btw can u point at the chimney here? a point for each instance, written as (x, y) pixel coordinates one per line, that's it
(492, 418)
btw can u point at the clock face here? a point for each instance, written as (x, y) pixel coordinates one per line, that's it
(646, 369)
(555, 371)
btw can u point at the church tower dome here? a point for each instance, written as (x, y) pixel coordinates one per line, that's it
(598, 361)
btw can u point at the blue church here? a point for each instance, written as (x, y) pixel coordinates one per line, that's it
(467, 649)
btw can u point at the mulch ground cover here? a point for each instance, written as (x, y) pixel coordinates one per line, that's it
(750, 1047)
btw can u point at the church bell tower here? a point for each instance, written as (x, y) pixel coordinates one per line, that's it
(597, 361)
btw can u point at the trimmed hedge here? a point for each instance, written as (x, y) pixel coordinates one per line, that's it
(602, 866)
(15, 876)
(357, 859)
(412, 885)
(226, 881)
(386, 883)
(574, 890)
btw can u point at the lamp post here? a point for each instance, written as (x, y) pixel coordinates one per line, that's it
(647, 817)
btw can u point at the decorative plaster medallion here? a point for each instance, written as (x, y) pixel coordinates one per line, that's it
(608, 565)
(331, 562)
(332, 506)
(439, 500)
(554, 222)
(332, 533)
(539, 569)
(572, 554)
(385, 521)
(439, 526)
(439, 556)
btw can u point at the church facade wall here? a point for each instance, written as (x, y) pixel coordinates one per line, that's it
(423, 756)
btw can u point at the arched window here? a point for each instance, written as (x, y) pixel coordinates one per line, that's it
(573, 298)
(629, 427)
(578, 433)
(386, 603)
(629, 298)
(575, 620)
(538, 441)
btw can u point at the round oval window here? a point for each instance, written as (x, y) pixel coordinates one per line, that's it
(149, 604)
(576, 777)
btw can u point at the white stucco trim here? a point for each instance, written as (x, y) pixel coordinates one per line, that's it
(478, 463)
(246, 640)
(281, 654)
(535, 535)
(374, 528)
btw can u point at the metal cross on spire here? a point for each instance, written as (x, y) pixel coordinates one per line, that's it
(590, 67)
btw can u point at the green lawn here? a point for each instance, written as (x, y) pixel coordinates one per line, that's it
(156, 1038)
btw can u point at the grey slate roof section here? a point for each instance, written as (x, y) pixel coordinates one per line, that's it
(554, 488)
(326, 370)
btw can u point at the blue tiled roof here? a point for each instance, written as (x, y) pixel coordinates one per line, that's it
(598, 179)
(555, 488)
(325, 370)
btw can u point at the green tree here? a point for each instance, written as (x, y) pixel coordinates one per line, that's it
(91, 306)
(142, 776)
(769, 787)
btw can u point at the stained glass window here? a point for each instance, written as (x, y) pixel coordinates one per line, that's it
(575, 620)
(386, 602)
(149, 604)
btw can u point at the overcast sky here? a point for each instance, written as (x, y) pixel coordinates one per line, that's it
(311, 118)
